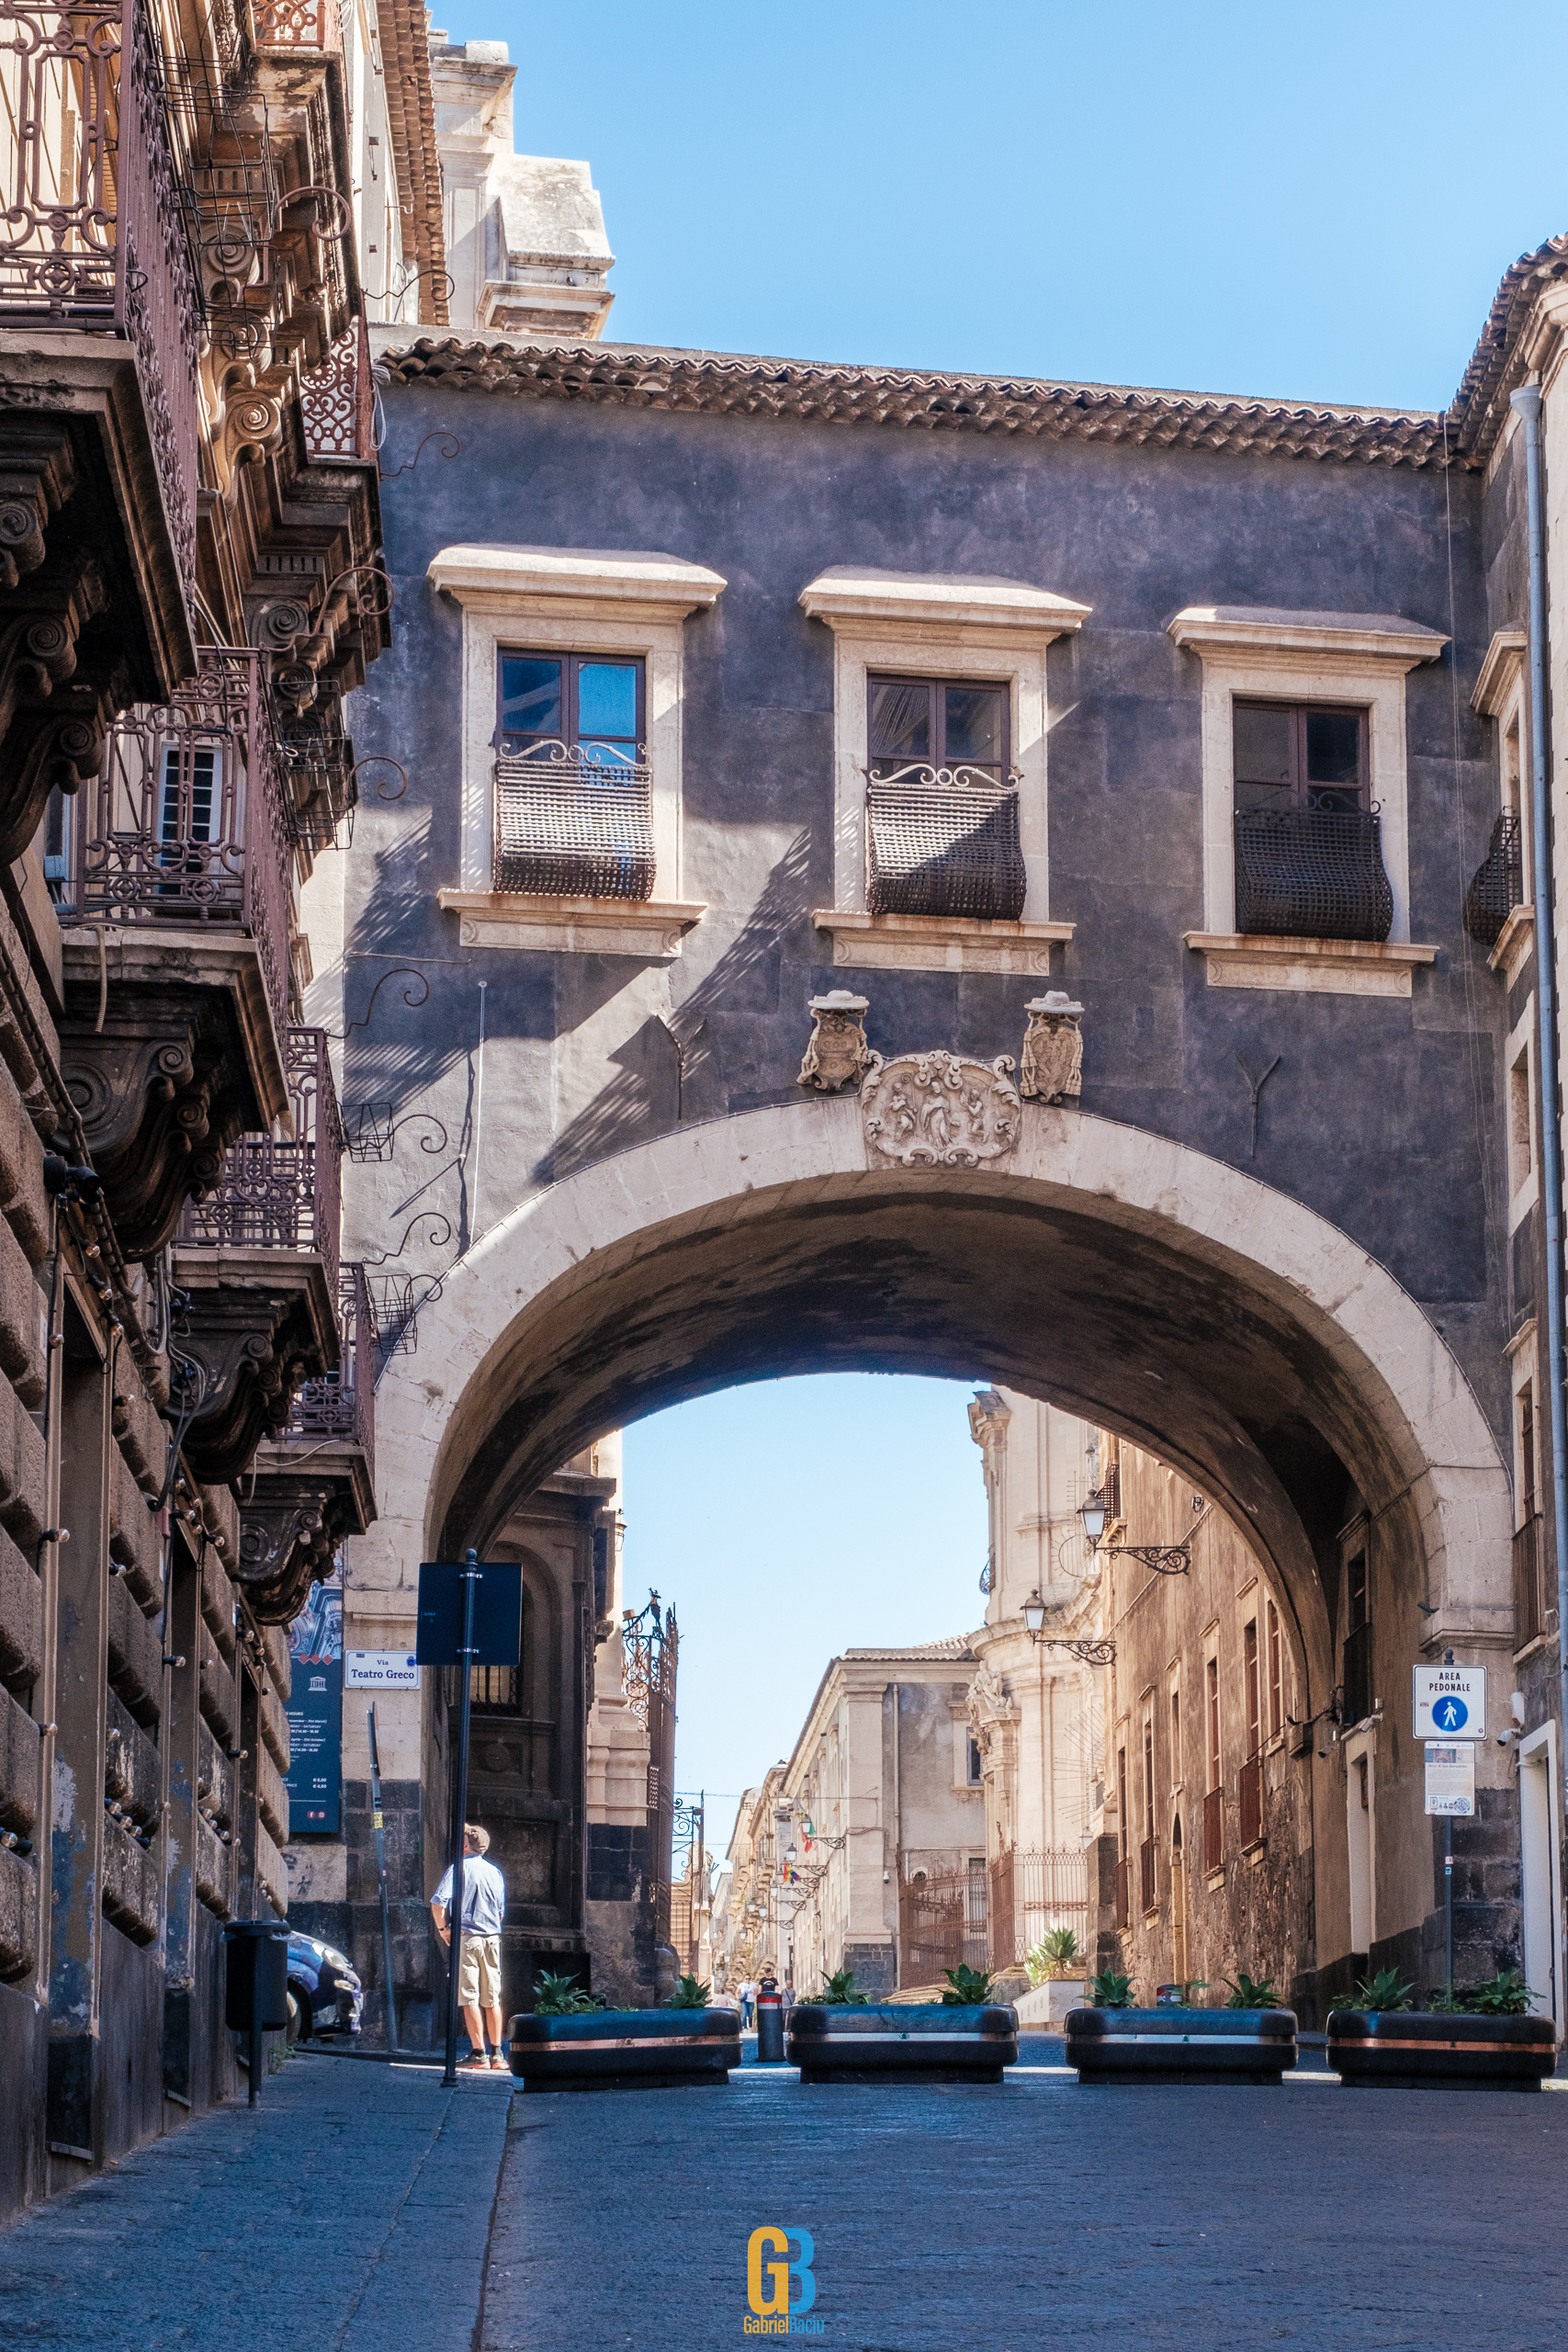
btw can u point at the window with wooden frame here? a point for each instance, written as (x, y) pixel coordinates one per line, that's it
(586, 704)
(1146, 1844)
(1124, 1833)
(1531, 1603)
(1175, 1733)
(936, 723)
(1250, 1787)
(1302, 755)
(1276, 1672)
(1358, 1652)
(1213, 1797)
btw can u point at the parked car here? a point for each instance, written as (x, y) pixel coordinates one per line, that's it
(325, 1996)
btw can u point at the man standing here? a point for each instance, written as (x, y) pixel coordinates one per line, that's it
(478, 1956)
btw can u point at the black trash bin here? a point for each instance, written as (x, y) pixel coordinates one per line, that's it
(256, 1994)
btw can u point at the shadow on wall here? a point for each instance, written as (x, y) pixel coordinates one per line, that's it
(666, 1070)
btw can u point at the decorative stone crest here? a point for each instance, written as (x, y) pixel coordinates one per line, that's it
(941, 1110)
(1053, 1049)
(837, 1055)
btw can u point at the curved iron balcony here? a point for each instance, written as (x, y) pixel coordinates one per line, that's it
(569, 826)
(943, 841)
(1499, 884)
(1312, 873)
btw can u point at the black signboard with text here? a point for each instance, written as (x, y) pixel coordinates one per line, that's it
(315, 1714)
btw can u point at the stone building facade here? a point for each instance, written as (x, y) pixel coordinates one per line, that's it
(204, 209)
(883, 1865)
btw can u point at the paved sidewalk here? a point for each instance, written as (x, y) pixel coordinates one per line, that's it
(1040, 2214)
(348, 2213)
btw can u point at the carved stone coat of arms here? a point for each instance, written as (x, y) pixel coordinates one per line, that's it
(1053, 1050)
(941, 1110)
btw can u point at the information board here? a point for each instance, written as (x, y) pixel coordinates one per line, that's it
(315, 1714)
(1450, 1777)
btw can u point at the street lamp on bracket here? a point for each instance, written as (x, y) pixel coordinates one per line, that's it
(1090, 1652)
(1163, 1559)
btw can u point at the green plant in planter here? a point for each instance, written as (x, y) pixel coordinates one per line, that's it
(1386, 1990)
(562, 1997)
(1503, 1995)
(1057, 1954)
(1251, 1992)
(1110, 1990)
(967, 1989)
(690, 1993)
(838, 1992)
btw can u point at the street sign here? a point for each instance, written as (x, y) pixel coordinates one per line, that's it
(1450, 1702)
(380, 1670)
(1450, 1777)
(498, 1613)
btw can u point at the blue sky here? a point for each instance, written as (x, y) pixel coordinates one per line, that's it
(1313, 203)
(787, 1521)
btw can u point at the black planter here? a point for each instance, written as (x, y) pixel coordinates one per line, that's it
(1181, 2045)
(625, 2050)
(903, 2042)
(1412, 2050)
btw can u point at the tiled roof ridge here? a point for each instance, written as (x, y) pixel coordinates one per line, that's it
(1497, 365)
(953, 1645)
(731, 383)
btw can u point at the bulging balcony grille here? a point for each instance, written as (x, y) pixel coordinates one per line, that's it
(341, 1407)
(1499, 884)
(283, 1195)
(1312, 873)
(569, 826)
(187, 823)
(943, 841)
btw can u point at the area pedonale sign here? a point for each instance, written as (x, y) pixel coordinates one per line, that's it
(1450, 1702)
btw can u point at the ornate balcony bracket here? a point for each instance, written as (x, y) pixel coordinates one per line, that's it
(170, 1055)
(260, 1323)
(58, 694)
(296, 1515)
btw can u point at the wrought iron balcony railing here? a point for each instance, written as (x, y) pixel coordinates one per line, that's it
(92, 232)
(569, 826)
(276, 1196)
(943, 841)
(336, 402)
(341, 1406)
(188, 820)
(1499, 884)
(1312, 873)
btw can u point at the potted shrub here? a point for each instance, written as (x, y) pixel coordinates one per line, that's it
(1481, 2037)
(840, 2036)
(572, 2041)
(1055, 1967)
(1250, 2040)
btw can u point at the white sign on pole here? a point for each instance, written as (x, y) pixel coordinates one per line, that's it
(1450, 1777)
(380, 1670)
(1450, 1702)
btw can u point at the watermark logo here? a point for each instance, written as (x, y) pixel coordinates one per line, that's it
(769, 2273)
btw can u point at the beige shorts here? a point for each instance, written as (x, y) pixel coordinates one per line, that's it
(478, 1972)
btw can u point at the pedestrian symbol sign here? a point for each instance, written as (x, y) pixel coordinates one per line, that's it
(1450, 1702)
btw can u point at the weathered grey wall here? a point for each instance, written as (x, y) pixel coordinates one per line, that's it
(1381, 1115)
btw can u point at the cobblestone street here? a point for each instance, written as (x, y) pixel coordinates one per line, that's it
(355, 2211)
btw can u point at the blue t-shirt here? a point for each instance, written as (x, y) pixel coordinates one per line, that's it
(484, 1896)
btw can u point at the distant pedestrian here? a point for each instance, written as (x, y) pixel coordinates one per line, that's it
(769, 1983)
(748, 2001)
(479, 1952)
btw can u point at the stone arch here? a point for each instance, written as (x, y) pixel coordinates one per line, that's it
(1123, 1276)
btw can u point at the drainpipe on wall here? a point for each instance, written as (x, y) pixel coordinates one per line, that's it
(1526, 402)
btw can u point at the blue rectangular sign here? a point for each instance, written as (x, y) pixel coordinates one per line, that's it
(315, 1716)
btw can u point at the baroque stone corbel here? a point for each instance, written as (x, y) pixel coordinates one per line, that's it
(260, 1323)
(837, 1053)
(1052, 1068)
